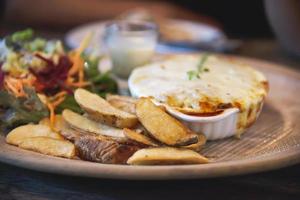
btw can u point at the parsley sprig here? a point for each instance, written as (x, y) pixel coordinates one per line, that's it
(192, 74)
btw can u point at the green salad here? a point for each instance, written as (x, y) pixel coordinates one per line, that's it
(38, 77)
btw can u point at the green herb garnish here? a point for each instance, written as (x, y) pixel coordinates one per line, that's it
(195, 73)
(192, 74)
(206, 70)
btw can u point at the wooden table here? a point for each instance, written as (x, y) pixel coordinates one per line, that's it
(18, 183)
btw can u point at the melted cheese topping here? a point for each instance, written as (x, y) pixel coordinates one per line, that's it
(224, 84)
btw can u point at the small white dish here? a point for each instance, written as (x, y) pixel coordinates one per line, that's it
(213, 127)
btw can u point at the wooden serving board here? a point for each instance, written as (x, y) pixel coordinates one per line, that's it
(272, 142)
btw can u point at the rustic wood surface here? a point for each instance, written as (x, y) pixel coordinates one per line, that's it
(18, 183)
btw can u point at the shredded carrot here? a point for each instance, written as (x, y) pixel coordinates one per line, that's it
(16, 85)
(60, 94)
(52, 115)
(29, 80)
(80, 84)
(78, 64)
(58, 101)
(13, 88)
(52, 103)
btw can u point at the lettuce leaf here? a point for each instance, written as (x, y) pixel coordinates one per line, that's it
(23, 110)
(69, 103)
(101, 83)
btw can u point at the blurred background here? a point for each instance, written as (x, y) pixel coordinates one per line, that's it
(236, 18)
(264, 29)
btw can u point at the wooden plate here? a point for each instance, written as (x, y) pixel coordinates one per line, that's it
(272, 142)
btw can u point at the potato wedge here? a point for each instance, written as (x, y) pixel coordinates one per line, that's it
(84, 124)
(124, 103)
(49, 146)
(45, 121)
(59, 121)
(197, 146)
(166, 156)
(19, 134)
(162, 126)
(139, 137)
(100, 110)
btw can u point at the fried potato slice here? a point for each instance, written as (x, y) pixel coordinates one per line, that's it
(59, 122)
(19, 134)
(162, 126)
(100, 110)
(49, 146)
(139, 137)
(166, 156)
(83, 124)
(197, 146)
(45, 121)
(124, 103)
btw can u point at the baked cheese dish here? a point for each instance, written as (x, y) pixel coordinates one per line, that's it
(203, 85)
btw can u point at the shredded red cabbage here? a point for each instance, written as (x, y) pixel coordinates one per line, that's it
(51, 79)
(2, 75)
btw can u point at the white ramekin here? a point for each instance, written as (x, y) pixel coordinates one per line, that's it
(213, 127)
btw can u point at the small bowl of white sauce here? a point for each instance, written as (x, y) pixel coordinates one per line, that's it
(130, 44)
